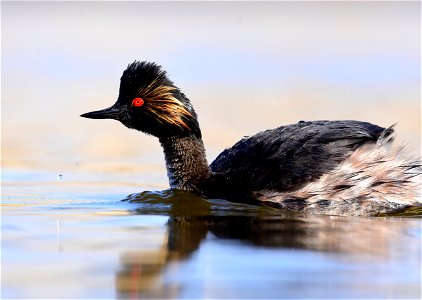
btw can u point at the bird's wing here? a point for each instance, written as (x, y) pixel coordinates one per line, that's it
(287, 157)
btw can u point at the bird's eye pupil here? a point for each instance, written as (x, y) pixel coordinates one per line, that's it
(137, 102)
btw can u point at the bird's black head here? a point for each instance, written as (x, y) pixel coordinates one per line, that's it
(148, 101)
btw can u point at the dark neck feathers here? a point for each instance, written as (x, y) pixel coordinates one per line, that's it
(187, 166)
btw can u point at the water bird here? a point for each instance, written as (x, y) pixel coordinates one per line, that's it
(322, 167)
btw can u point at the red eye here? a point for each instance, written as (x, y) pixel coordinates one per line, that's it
(138, 102)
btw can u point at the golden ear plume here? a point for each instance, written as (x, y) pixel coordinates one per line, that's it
(162, 103)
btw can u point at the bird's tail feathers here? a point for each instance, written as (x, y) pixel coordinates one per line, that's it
(375, 179)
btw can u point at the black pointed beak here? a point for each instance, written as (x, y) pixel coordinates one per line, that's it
(108, 113)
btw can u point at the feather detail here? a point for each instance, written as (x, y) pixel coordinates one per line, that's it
(162, 103)
(375, 179)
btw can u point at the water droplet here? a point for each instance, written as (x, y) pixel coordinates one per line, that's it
(60, 177)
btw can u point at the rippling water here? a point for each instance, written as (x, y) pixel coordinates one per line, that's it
(64, 239)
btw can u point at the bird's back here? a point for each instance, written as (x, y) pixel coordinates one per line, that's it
(287, 157)
(322, 167)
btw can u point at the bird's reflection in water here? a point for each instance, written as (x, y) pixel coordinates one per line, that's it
(192, 218)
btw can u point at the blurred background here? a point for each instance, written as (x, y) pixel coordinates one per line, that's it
(246, 66)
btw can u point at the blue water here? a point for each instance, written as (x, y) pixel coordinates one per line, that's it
(64, 239)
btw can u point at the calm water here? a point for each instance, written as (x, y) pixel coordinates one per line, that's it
(246, 67)
(64, 239)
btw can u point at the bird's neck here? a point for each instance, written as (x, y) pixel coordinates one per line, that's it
(187, 166)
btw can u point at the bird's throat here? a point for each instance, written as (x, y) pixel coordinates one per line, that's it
(187, 166)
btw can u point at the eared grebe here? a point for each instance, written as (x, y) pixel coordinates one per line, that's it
(322, 167)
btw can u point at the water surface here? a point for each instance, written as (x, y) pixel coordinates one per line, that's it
(58, 241)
